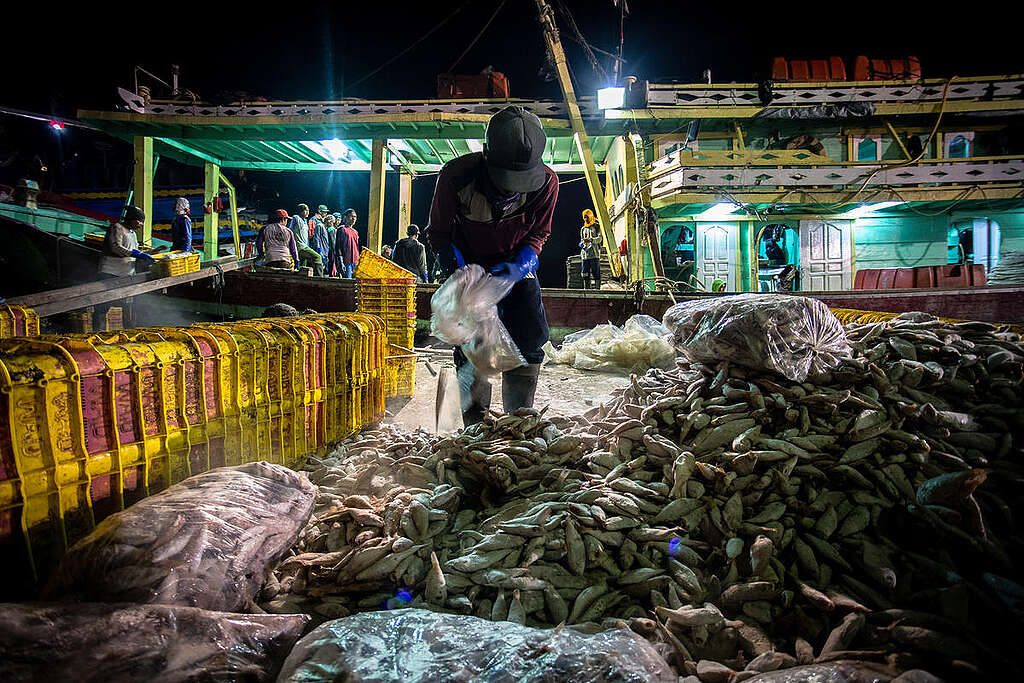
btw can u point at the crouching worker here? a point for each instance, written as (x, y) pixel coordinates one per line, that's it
(275, 243)
(494, 208)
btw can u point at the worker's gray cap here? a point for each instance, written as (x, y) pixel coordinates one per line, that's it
(514, 146)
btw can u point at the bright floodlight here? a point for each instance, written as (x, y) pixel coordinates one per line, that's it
(611, 98)
(717, 211)
(868, 209)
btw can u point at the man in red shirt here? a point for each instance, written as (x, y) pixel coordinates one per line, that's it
(494, 208)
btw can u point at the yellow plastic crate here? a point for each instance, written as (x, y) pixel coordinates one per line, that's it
(373, 265)
(90, 423)
(18, 321)
(171, 263)
(401, 367)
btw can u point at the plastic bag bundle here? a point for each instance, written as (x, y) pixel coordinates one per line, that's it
(148, 643)
(641, 343)
(418, 646)
(205, 542)
(464, 312)
(792, 335)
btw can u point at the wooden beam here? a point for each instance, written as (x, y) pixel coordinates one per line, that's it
(375, 220)
(211, 220)
(404, 201)
(188, 149)
(123, 288)
(896, 137)
(554, 45)
(728, 111)
(142, 192)
(294, 166)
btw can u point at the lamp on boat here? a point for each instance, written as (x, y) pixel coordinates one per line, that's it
(611, 98)
(717, 211)
(869, 209)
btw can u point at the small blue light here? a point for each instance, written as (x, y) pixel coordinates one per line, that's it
(404, 596)
(673, 545)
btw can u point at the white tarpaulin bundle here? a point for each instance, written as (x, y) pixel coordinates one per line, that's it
(640, 344)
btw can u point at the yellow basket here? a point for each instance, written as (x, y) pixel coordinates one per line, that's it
(374, 266)
(18, 321)
(401, 371)
(173, 263)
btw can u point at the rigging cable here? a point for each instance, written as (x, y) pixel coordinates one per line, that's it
(479, 35)
(411, 46)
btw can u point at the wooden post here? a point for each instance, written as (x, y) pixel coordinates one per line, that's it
(142, 195)
(211, 221)
(554, 45)
(404, 201)
(375, 220)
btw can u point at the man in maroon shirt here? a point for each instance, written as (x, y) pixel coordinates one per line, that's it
(494, 208)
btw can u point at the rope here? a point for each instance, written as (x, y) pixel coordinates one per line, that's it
(479, 35)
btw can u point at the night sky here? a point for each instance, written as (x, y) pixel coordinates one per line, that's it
(58, 58)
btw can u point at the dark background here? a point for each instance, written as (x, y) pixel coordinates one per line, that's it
(57, 58)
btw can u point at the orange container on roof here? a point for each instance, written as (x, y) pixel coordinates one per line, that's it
(824, 69)
(875, 69)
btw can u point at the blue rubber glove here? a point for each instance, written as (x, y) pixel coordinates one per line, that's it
(143, 256)
(524, 263)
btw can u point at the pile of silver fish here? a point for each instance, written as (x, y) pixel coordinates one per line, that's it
(742, 522)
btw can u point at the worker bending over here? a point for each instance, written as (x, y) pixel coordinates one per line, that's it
(121, 245)
(590, 254)
(276, 243)
(494, 208)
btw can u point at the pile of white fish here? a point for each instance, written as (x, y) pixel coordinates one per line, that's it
(743, 522)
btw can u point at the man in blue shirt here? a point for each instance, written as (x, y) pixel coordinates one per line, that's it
(181, 226)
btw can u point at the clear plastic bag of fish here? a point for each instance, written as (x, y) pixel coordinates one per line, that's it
(208, 541)
(464, 312)
(642, 343)
(794, 336)
(418, 646)
(105, 642)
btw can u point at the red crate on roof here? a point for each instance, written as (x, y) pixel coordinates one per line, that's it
(873, 69)
(827, 69)
(471, 87)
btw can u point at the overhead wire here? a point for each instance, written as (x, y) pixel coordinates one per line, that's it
(479, 35)
(412, 45)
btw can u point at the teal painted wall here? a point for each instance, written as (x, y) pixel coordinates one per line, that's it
(1011, 230)
(907, 241)
(900, 241)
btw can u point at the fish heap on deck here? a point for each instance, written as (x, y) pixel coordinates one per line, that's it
(743, 522)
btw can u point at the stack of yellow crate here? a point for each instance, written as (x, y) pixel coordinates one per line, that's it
(90, 423)
(388, 291)
(18, 321)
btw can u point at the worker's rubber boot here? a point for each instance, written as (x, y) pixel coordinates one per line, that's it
(475, 395)
(518, 387)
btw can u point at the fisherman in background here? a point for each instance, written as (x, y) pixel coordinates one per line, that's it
(346, 246)
(299, 225)
(494, 209)
(590, 250)
(121, 245)
(181, 226)
(275, 243)
(411, 254)
(321, 239)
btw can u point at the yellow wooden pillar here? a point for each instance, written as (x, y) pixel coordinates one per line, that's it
(375, 220)
(142, 192)
(404, 201)
(211, 220)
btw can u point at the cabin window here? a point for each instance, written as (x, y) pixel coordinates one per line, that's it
(959, 147)
(867, 150)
